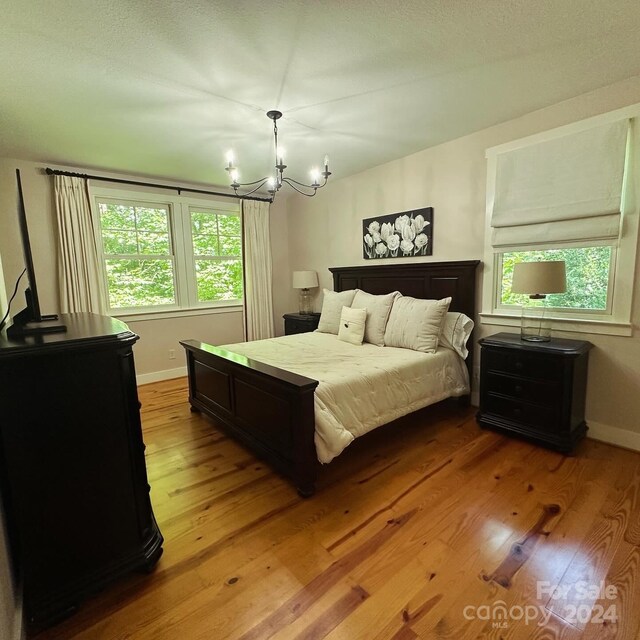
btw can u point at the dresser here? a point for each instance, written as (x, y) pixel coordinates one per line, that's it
(534, 390)
(72, 465)
(300, 322)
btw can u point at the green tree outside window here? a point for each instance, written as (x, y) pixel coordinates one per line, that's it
(587, 277)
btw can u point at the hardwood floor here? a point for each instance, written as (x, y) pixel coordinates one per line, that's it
(428, 528)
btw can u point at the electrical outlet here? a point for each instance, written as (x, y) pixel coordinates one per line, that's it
(172, 354)
(476, 376)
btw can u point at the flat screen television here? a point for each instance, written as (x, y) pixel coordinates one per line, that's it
(30, 321)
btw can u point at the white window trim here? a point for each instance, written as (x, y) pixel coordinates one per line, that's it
(182, 254)
(618, 321)
(139, 316)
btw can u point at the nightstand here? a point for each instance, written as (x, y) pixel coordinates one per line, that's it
(300, 323)
(534, 390)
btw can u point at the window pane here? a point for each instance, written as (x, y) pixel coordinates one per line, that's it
(119, 242)
(204, 222)
(229, 225)
(149, 219)
(219, 280)
(153, 243)
(205, 245)
(587, 276)
(116, 216)
(230, 246)
(140, 283)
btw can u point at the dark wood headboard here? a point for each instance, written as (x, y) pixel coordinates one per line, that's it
(427, 280)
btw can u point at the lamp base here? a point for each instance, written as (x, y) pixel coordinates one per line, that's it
(534, 326)
(533, 338)
(304, 305)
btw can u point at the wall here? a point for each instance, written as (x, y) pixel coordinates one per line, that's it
(325, 231)
(9, 609)
(284, 297)
(157, 336)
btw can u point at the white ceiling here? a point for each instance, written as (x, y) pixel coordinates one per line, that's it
(165, 88)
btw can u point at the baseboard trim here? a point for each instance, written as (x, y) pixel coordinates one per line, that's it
(614, 435)
(158, 376)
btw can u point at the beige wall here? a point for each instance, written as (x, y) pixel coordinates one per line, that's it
(157, 336)
(8, 609)
(284, 297)
(325, 231)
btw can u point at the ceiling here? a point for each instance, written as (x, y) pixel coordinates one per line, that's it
(164, 88)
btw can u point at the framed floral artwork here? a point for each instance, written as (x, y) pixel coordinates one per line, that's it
(399, 235)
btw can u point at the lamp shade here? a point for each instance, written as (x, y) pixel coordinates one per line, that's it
(305, 279)
(539, 277)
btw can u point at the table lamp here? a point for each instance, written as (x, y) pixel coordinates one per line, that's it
(305, 280)
(537, 279)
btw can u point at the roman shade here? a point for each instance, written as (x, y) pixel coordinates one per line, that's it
(561, 190)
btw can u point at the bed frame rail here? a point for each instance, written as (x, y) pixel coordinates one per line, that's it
(268, 409)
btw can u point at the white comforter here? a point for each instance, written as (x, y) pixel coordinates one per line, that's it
(361, 387)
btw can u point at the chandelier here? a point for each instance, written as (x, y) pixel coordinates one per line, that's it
(275, 182)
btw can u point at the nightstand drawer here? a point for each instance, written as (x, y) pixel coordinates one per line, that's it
(294, 326)
(539, 416)
(300, 323)
(548, 393)
(530, 365)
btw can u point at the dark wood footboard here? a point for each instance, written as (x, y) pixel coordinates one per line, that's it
(268, 409)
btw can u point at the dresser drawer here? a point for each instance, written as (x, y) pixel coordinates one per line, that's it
(548, 393)
(528, 365)
(541, 417)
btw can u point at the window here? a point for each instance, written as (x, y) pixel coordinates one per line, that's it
(168, 253)
(217, 253)
(567, 194)
(588, 282)
(138, 256)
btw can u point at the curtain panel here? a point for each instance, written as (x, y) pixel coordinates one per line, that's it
(81, 287)
(565, 189)
(258, 301)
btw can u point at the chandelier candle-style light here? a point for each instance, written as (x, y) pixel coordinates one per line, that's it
(274, 183)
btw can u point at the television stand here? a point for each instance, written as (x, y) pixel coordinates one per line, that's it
(23, 325)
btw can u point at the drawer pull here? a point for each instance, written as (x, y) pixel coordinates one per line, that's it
(518, 388)
(519, 365)
(517, 411)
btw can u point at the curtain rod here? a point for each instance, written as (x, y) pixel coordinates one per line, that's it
(58, 172)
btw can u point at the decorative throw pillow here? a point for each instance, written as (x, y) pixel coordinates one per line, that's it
(352, 322)
(332, 304)
(378, 309)
(416, 324)
(455, 332)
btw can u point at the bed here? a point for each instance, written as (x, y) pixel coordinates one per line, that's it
(271, 409)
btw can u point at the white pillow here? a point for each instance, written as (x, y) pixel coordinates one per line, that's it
(378, 309)
(332, 308)
(416, 324)
(352, 323)
(456, 330)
